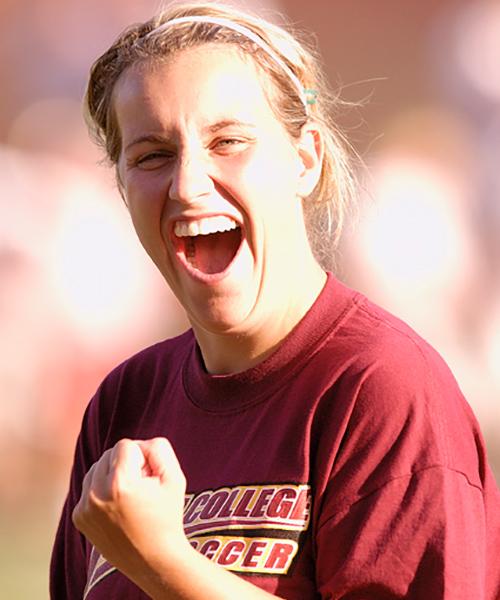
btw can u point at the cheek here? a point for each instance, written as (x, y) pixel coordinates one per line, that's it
(269, 191)
(274, 172)
(146, 214)
(144, 196)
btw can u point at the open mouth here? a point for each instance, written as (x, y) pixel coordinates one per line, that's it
(208, 245)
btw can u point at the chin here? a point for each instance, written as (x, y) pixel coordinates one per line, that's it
(221, 317)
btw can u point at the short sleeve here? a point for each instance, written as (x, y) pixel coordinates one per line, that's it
(418, 536)
(410, 509)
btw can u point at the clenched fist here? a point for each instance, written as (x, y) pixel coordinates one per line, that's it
(132, 504)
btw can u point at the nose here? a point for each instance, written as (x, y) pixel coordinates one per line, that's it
(190, 177)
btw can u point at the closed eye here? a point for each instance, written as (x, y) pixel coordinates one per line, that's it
(153, 160)
(229, 141)
(229, 145)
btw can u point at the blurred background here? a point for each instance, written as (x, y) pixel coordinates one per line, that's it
(78, 295)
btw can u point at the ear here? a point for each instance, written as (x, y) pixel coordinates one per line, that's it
(311, 150)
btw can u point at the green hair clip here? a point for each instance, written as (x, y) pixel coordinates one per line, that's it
(310, 95)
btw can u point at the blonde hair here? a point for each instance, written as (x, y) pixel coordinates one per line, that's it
(325, 209)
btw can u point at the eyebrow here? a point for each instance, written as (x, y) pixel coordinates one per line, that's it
(154, 138)
(227, 123)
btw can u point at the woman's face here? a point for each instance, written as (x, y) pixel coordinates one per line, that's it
(213, 184)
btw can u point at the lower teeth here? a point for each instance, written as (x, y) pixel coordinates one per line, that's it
(190, 251)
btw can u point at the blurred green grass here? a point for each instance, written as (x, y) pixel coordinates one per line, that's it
(25, 545)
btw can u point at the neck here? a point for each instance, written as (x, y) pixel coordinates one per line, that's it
(225, 353)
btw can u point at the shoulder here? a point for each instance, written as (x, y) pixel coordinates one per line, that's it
(380, 369)
(384, 354)
(160, 360)
(407, 411)
(136, 387)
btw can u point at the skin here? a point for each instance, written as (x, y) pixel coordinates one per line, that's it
(250, 170)
(200, 138)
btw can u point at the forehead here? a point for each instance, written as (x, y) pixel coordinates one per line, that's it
(203, 83)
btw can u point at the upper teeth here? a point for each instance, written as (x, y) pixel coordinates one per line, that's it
(204, 226)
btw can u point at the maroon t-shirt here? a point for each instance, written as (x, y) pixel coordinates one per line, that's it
(346, 465)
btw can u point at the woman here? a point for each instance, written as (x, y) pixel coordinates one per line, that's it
(297, 441)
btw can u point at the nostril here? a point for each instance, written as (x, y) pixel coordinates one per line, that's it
(190, 180)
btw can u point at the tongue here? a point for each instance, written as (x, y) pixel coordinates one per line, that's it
(214, 252)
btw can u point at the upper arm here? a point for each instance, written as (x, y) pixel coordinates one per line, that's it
(418, 536)
(402, 512)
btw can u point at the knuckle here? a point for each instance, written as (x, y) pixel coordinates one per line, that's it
(181, 479)
(161, 442)
(76, 516)
(123, 443)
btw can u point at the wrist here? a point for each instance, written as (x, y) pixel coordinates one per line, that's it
(162, 570)
(182, 573)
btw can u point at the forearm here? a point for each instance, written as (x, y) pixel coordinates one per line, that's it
(192, 576)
